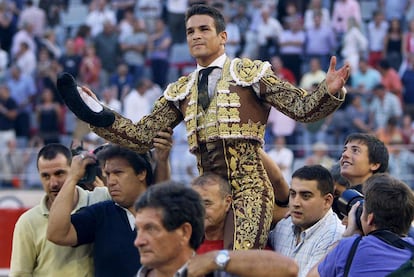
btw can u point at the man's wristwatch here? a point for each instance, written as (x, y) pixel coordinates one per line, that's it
(222, 259)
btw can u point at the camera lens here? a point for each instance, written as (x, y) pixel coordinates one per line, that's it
(345, 202)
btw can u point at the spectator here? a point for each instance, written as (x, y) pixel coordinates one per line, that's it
(401, 162)
(393, 44)
(354, 44)
(387, 212)
(107, 50)
(159, 44)
(343, 10)
(390, 79)
(408, 128)
(320, 156)
(8, 114)
(149, 11)
(407, 80)
(135, 104)
(49, 117)
(234, 37)
(390, 132)
(363, 155)
(4, 61)
(23, 90)
(122, 80)
(281, 71)
(109, 224)
(100, 15)
(7, 26)
(90, 68)
(314, 10)
(315, 75)
(176, 19)
(357, 116)
(393, 9)
(82, 39)
(134, 48)
(180, 226)
(49, 42)
(34, 16)
(25, 34)
(384, 105)
(269, 31)
(364, 80)
(26, 60)
(32, 253)
(216, 194)
(320, 40)
(377, 30)
(13, 162)
(282, 156)
(70, 60)
(312, 227)
(291, 43)
(110, 100)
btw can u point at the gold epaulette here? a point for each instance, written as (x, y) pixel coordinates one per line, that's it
(179, 89)
(247, 72)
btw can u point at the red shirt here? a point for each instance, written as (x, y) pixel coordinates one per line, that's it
(210, 245)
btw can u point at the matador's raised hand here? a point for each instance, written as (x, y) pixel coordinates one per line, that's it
(83, 103)
(336, 79)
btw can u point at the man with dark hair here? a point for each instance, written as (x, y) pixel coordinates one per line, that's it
(170, 227)
(362, 156)
(225, 112)
(388, 211)
(312, 227)
(109, 224)
(32, 253)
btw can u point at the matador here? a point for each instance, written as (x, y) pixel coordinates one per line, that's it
(225, 137)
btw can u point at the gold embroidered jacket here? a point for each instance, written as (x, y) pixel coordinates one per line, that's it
(235, 111)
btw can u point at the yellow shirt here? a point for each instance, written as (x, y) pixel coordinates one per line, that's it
(34, 255)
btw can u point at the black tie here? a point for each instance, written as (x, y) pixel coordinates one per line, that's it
(203, 97)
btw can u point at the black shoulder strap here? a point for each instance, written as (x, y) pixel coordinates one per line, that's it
(393, 239)
(351, 255)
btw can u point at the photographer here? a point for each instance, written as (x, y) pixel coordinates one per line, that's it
(388, 210)
(109, 224)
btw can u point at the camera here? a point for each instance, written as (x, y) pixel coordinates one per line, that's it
(345, 202)
(91, 170)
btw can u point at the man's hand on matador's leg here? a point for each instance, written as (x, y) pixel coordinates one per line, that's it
(83, 103)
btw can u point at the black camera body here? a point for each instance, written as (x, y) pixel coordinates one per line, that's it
(345, 202)
(91, 170)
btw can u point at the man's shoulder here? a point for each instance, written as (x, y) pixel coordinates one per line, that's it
(179, 89)
(31, 215)
(246, 71)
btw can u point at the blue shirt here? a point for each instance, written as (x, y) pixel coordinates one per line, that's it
(373, 258)
(107, 226)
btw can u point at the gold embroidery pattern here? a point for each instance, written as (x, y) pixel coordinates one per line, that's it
(139, 137)
(247, 72)
(253, 197)
(297, 103)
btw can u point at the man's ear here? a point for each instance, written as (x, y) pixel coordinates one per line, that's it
(328, 200)
(371, 219)
(185, 232)
(375, 166)
(223, 36)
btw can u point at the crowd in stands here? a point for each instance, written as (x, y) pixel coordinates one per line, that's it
(128, 51)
